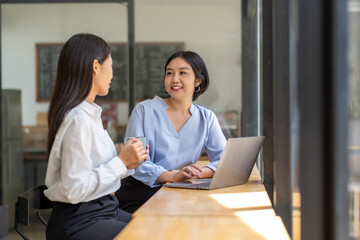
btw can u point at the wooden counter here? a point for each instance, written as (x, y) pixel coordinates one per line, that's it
(223, 201)
(238, 212)
(209, 228)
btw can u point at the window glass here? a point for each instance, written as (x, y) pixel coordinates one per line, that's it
(354, 117)
(190, 23)
(24, 114)
(215, 39)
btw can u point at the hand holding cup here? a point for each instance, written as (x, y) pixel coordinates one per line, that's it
(134, 152)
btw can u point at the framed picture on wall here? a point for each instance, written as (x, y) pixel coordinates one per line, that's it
(150, 59)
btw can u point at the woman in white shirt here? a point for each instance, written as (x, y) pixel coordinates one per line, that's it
(84, 169)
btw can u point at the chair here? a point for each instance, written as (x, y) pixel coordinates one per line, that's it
(29, 203)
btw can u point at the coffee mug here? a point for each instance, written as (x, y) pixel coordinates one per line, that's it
(142, 139)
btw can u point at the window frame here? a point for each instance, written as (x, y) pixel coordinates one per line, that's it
(307, 58)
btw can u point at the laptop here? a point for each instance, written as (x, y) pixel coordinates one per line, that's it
(234, 168)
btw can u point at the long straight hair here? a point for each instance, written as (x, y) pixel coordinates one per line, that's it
(74, 77)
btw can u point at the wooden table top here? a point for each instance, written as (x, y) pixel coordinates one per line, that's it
(223, 201)
(238, 212)
(210, 228)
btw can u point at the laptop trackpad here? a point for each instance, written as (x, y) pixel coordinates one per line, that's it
(193, 183)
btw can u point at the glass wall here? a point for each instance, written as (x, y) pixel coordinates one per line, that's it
(32, 35)
(354, 117)
(216, 39)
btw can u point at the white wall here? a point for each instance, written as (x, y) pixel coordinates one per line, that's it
(211, 28)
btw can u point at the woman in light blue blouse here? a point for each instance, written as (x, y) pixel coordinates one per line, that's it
(177, 131)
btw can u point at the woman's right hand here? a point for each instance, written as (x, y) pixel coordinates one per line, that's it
(133, 152)
(186, 173)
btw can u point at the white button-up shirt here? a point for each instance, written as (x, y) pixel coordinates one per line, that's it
(83, 163)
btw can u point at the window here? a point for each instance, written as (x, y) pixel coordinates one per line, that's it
(354, 116)
(192, 23)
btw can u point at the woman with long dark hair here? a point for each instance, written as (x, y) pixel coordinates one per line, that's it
(177, 131)
(84, 169)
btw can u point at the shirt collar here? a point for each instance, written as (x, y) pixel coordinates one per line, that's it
(163, 104)
(90, 108)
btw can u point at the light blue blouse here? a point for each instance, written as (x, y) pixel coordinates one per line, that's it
(170, 150)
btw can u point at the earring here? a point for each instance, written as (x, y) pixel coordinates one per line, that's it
(197, 89)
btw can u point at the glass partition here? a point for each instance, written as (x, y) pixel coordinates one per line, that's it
(161, 27)
(26, 27)
(354, 117)
(216, 39)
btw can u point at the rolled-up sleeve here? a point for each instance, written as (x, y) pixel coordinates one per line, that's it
(140, 124)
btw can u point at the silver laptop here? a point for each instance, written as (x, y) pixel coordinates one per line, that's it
(235, 165)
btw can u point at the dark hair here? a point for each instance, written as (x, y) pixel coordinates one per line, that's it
(199, 67)
(74, 77)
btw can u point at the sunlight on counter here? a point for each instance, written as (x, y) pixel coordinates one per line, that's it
(243, 200)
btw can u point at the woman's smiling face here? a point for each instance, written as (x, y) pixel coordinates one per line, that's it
(180, 80)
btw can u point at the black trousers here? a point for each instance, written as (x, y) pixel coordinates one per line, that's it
(96, 219)
(133, 193)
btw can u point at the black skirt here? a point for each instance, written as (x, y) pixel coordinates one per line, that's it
(133, 193)
(97, 219)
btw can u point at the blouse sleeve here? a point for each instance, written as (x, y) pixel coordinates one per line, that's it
(141, 124)
(216, 142)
